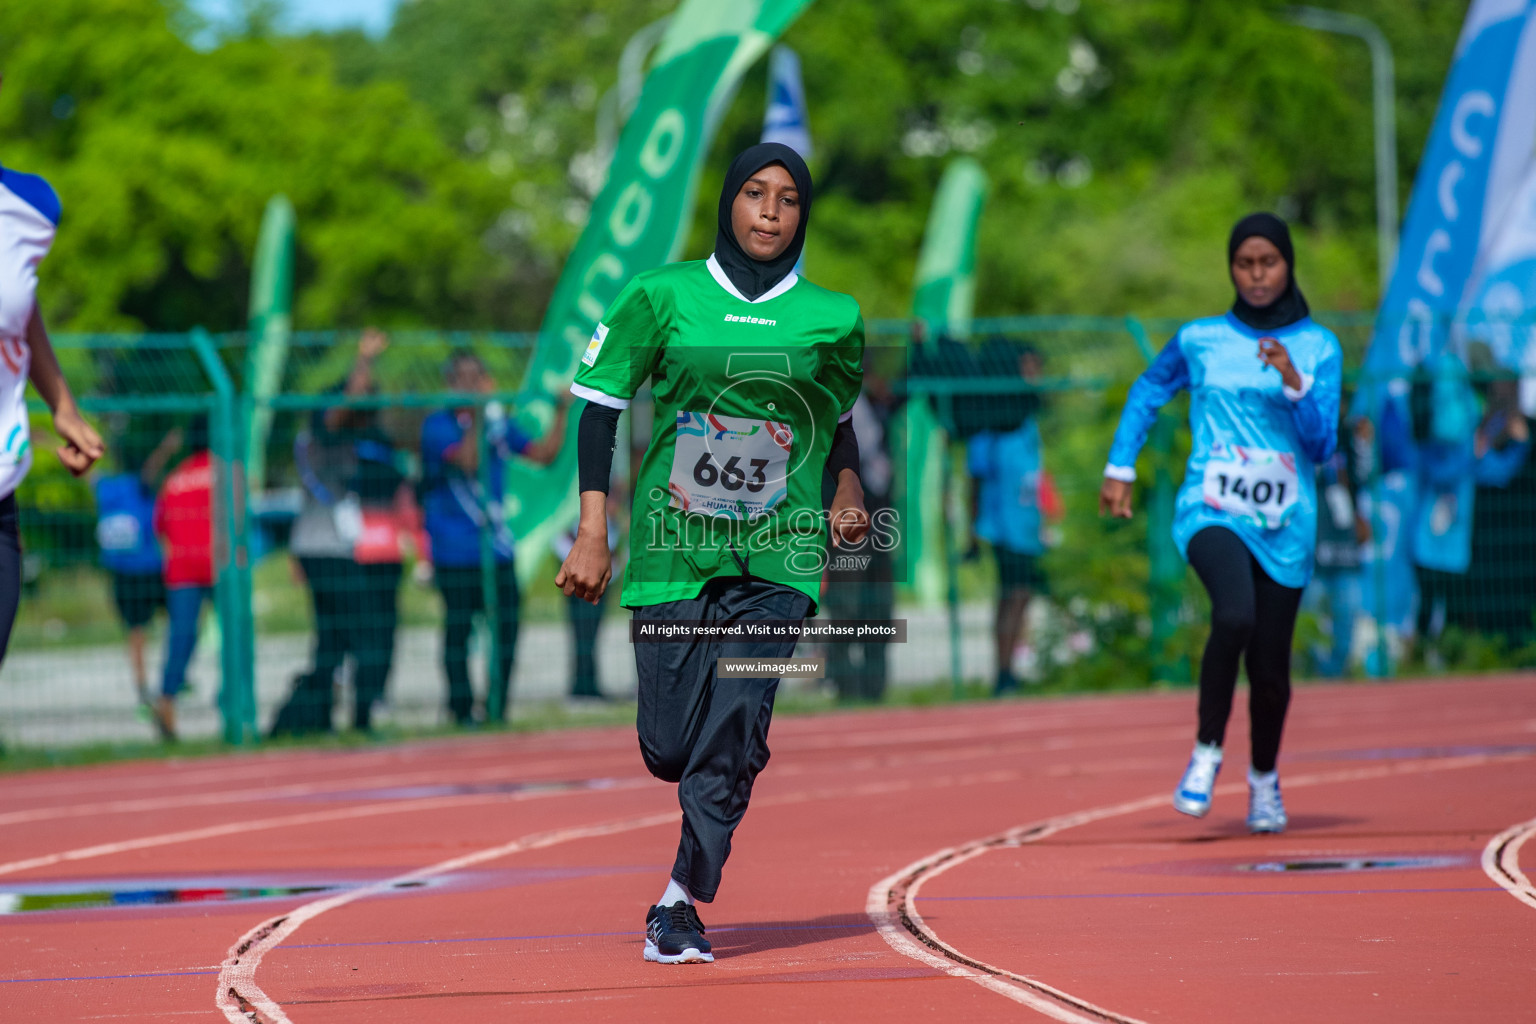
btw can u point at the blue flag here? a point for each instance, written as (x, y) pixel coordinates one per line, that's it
(786, 120)
(1477, 151)
(1472, 168)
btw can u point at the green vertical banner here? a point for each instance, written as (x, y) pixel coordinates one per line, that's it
(271, 329)
(945, 293)
(638, 221)
(944, 299)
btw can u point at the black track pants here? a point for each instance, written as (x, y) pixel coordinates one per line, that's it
(463, 593)
(373, 636)
(332, 584)
(710, 735)
(1254, 618)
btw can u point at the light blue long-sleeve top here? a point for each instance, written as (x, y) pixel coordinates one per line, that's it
(1254, 438)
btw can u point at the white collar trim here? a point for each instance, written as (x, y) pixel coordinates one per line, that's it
(718, 273)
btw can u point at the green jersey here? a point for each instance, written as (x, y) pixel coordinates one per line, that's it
(747, 397)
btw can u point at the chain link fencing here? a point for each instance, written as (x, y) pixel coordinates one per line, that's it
(367, 577)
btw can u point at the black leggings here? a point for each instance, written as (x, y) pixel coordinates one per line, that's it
(1252, 617)
(10, 569)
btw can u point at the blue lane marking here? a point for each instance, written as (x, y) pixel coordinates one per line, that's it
(113, 977)
(435, 942)
(580, 935)
(1215, 892)
(1415, 753)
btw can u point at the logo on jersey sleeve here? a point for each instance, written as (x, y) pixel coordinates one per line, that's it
(596, 344)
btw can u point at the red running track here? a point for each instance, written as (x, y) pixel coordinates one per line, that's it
(1016, 861)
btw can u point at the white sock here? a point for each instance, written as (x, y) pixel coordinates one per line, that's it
(675, 894)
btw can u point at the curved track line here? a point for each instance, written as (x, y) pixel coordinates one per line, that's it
(242, 1001)
(239, 995)
(1501, 861)
(891, 904)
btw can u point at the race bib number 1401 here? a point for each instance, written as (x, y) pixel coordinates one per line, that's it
(729, 466)
(1254, 484)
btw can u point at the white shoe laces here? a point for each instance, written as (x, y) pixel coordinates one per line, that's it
(1265, 797)
(1201, 775)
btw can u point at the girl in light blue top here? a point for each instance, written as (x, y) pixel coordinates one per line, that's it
(1264, 386)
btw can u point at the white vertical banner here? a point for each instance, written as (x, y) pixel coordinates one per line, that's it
(1501, 311)
(787, 119)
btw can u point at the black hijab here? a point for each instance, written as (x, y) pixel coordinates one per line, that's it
(1291, 306)
(754, 277)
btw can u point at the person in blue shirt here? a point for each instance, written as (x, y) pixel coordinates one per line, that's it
(1264, 383)
(1006, 471)
(461, 501)
(1342, 532)
(125, 533)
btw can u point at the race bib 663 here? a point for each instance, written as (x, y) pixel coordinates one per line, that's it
(729, 466)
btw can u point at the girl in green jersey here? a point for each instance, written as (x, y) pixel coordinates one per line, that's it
(754, 372)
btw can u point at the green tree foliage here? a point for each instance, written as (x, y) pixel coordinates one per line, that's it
(164, 157)
(1123, 138)
(442, 172)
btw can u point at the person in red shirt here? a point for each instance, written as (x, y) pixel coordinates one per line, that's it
(184, 524)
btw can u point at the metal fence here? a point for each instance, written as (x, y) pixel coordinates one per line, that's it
(296, 612)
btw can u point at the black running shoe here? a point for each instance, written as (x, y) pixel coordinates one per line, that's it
(675, 935)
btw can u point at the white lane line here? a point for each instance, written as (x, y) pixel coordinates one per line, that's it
(1501, 861)
(891, 903)
(159, 775)
(438, 777)
(341, 785)
(238, 992)
(288, 820)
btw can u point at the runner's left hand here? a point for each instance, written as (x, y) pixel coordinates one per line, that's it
(1272, 353)
(588, 569)
(848, 519)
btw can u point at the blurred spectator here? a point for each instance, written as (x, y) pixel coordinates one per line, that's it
(183, 521)
(1335, 590)
(391, 523)
(347, 547)
(462, 504)
(1009, 490)
(858, 671)
(1460, 440)
(125, 532)
(586, 618)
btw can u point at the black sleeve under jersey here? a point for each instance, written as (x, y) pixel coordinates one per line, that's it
(596, 433)
(845, 451)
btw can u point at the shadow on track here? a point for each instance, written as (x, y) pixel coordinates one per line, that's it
(765, 936)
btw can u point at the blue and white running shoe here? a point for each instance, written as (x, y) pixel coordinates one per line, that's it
(1193, 797)
(1266, 811)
